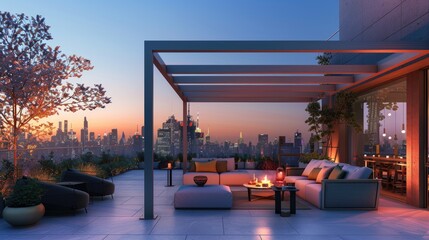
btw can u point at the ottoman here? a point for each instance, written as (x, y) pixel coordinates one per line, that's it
(209, 196)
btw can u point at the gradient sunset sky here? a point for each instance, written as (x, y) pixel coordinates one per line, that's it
(111, 33)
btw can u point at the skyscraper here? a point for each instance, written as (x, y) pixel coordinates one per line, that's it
(114, 137)
(298, 141)
(84, 133)
(66, 130)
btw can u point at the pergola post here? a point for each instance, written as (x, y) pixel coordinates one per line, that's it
(148, 132)
(185, 136)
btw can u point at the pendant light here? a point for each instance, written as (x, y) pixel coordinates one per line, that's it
(384, 123)
(395, 137)
(403, 119)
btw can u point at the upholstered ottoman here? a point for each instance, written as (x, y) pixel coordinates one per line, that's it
(209, 196)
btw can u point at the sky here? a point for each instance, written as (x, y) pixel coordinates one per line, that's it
(111, 33)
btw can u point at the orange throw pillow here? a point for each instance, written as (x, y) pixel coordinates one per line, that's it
(205, 166)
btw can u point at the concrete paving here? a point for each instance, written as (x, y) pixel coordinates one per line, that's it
(118, 218)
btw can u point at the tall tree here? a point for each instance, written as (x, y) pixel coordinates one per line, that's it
(35, 79)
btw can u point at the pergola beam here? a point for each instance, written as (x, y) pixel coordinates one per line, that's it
(254, 94)
(271, 69)
(288, 46)
(252, 99)
(263, 79)
(162, 68)
(257, 89)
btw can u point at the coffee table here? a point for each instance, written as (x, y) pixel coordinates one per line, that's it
(251, 187)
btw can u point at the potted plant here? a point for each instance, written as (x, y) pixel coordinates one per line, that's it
(250, 164)
(24, 205)
(323, 120)
(140, 158)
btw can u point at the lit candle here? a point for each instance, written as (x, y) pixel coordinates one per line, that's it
(169, 166)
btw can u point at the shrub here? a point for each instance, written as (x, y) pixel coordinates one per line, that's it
(267, 164)
(26, 193)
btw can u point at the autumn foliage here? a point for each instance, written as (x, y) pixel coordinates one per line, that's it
(36, 79)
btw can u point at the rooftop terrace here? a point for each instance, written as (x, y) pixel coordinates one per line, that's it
(118, 218)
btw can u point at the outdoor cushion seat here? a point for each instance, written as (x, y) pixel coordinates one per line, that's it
(292, 179)
(58, 198)
(209, 196)
(313, 194)
(235, 178)
(95, 186)
(301, 185)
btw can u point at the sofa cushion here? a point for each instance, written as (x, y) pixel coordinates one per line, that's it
(301, 185)
(292, 179)
(349, 169)
(337, 173)
(313, 174)
(324, 174)
(361, 173)
(313, 194)
(192, 167)
(221, 166)
(235, 178)
(230, 163)
(314, 163)
(206, 166)
(327, 163)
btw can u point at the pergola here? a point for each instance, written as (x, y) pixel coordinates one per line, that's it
(263, 83)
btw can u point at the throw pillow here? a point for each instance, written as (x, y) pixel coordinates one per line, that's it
(313, 174)
(221, 166)
(324, 174)
(361, 173)
(310, 166)
(206, 166)
(192, 167)
(337, 173)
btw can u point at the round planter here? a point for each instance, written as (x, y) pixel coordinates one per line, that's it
(23, 216)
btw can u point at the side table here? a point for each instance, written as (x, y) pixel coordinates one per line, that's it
(292, 192)
(169, 177)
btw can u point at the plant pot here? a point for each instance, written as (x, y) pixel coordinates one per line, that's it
(23, 216)
(2, 206)
(177, 165)
(240, 165)
(250, 165)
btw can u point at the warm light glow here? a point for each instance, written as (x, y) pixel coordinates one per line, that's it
(169, 166)
(390, 137)
(389, 114)
(387, 156)
(403, 128)
(364, 155)
(265, 182)
(384, 132)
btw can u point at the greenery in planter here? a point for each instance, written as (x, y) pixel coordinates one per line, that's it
(307, 157)
(322, 120)
(267, 164)
(6, 176)
(26, 193)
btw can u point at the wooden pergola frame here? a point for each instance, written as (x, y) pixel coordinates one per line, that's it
(266, 83)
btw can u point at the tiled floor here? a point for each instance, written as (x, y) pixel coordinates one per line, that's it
(118, 218)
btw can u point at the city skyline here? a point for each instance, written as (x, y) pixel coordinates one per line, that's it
(101, 34)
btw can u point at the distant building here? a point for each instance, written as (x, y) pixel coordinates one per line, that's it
(114, 137)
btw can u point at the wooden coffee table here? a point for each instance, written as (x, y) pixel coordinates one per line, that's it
(251, 187)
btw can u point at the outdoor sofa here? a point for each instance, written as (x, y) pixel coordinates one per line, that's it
(57, 198)
(95, 186)
(335, 186)
(226, 175)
